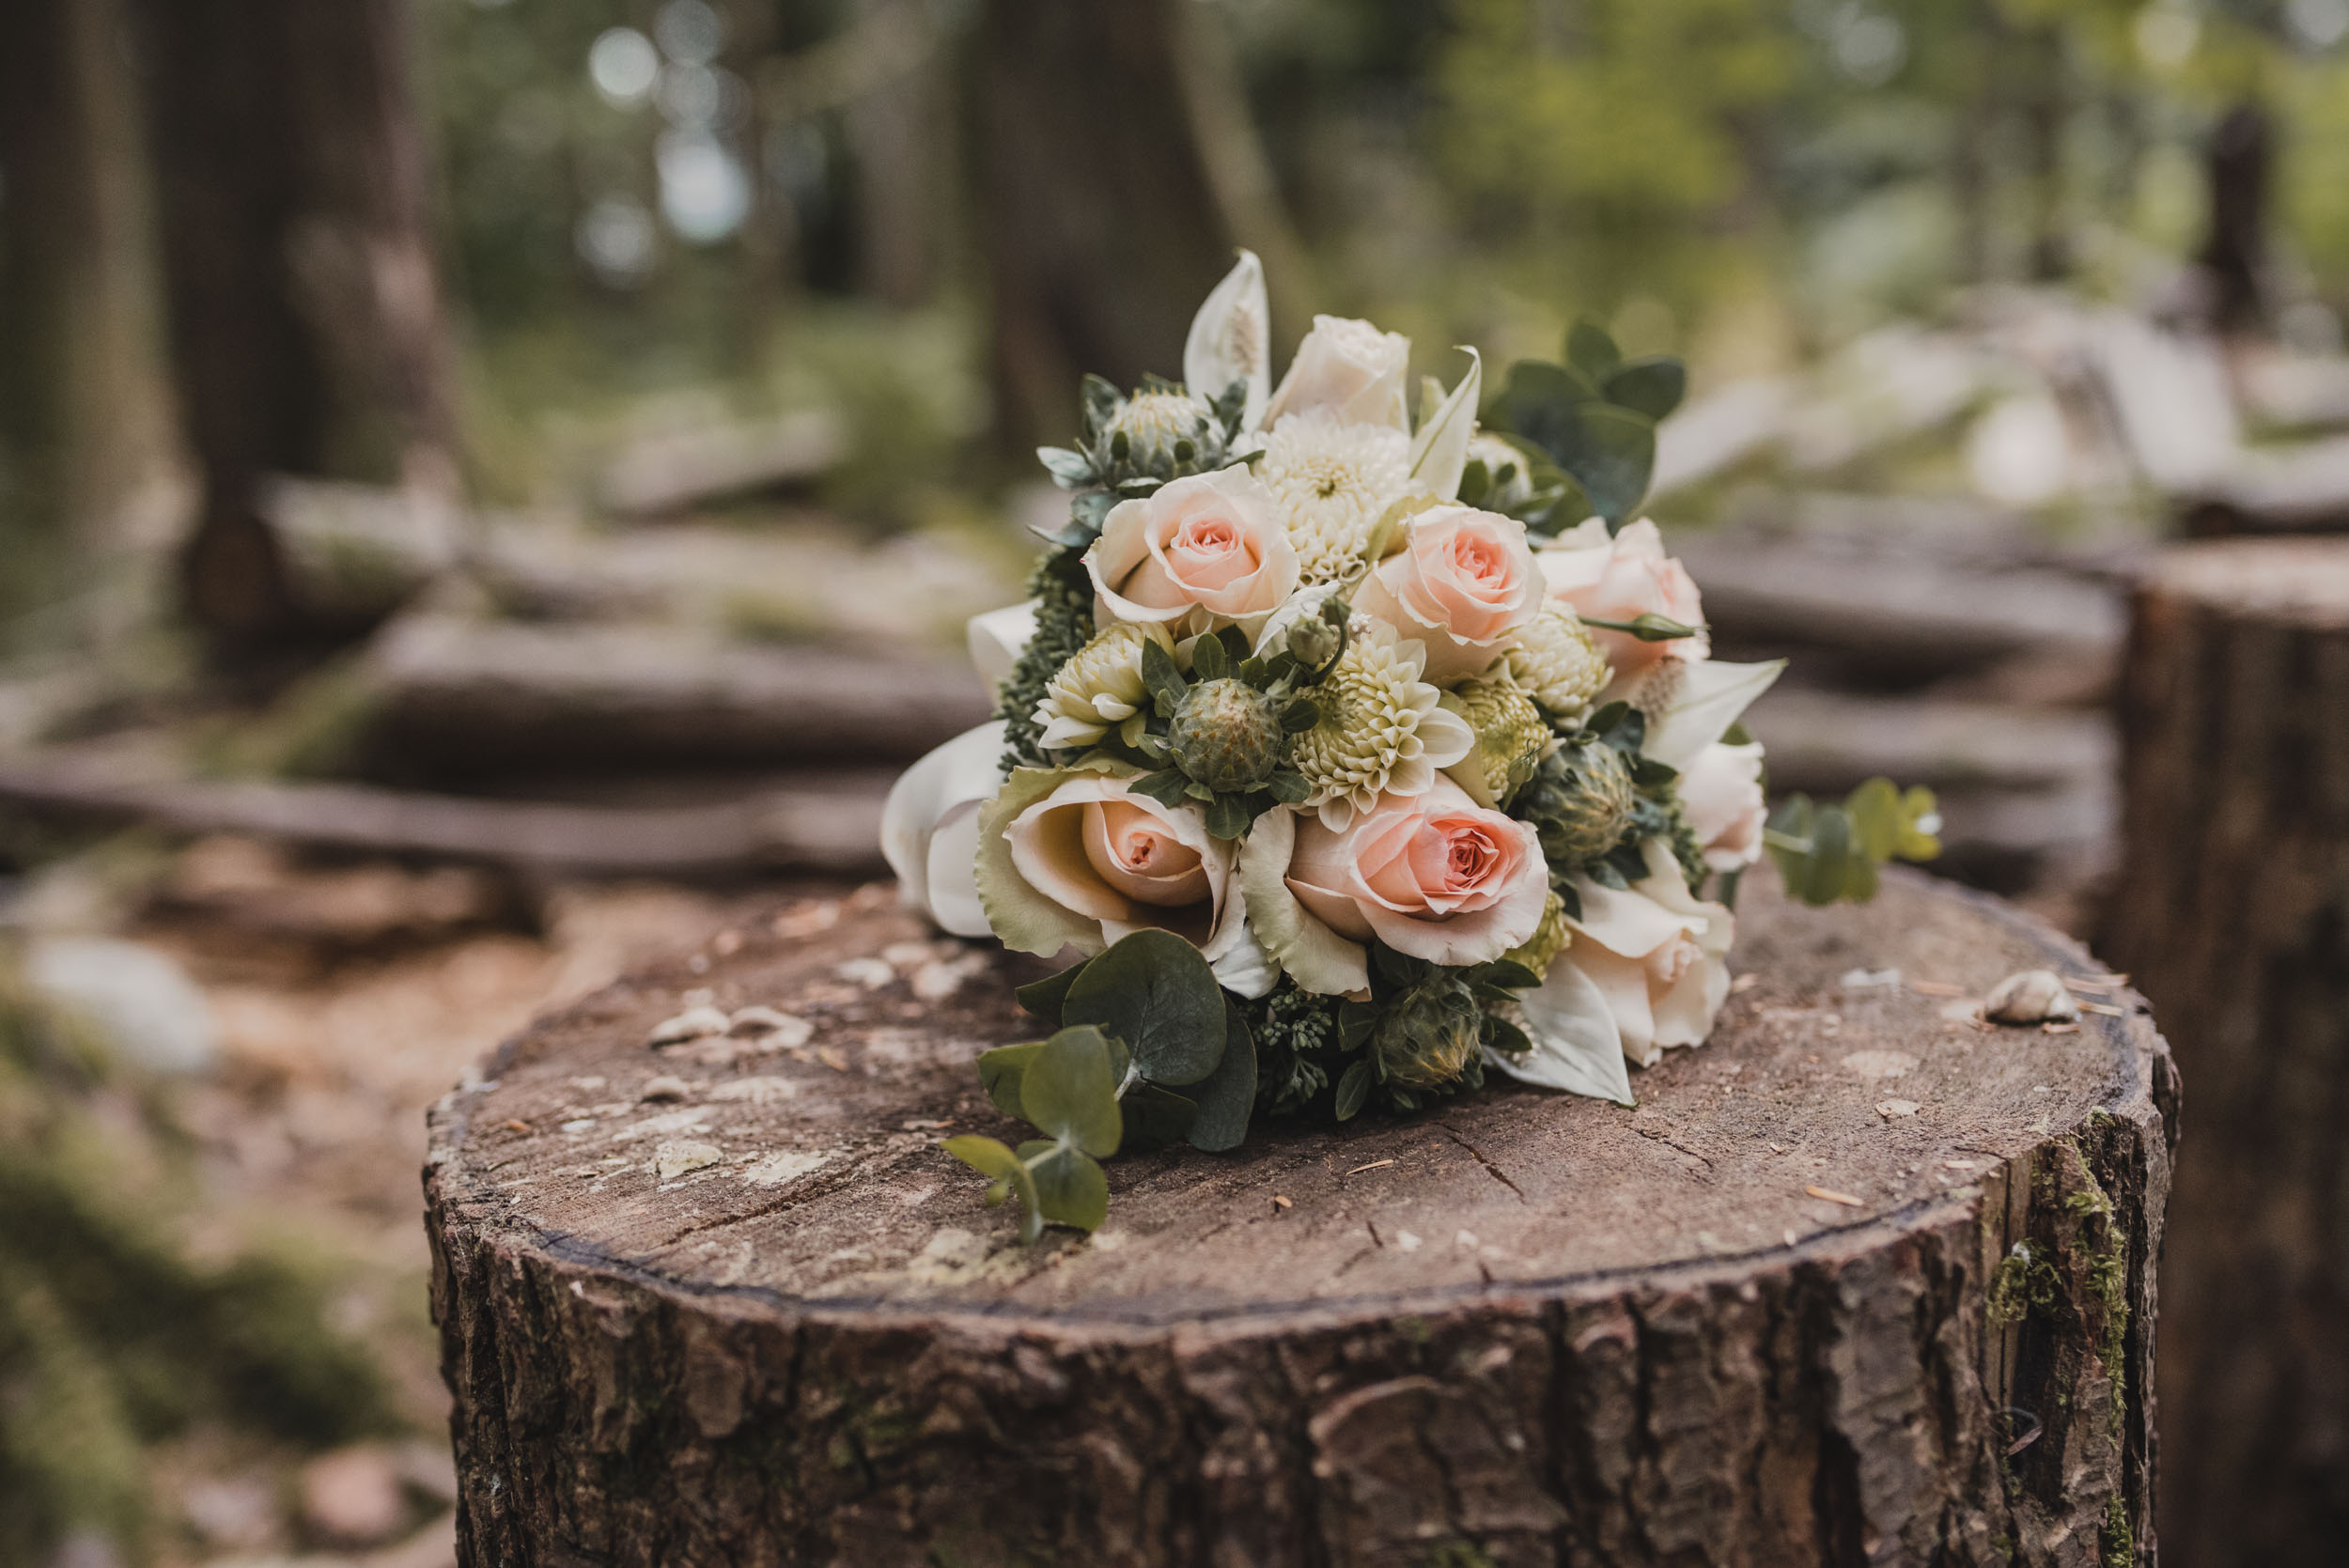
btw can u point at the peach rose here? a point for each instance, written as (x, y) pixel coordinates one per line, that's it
(1071, 857)
(1433, 876)
(1461, 583)
(1208, 550)
(1620, 580)
(1351, 368)
(1722, 793)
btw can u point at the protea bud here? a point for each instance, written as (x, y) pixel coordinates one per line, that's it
(1512, 737)
(1314, 641)
(1580, 801)
(1428, 1035)
(1226, 735)
(1548, 940)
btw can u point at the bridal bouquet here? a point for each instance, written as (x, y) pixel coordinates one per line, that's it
(1354, 755)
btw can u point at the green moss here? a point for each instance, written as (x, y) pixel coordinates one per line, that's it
(2116, 1543)
(2101, 1242)
(2022, 1284)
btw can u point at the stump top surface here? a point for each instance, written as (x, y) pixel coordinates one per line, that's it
(2305, 580)
(1827, 1107)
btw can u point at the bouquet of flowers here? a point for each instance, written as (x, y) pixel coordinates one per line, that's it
(1354, 755)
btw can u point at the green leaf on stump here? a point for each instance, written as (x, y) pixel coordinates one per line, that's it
(1043, 998)
(1353, 1089)
(1228, 1095)
(1155, 1117)
(1071, 1190)
(1069, 1091)
(1155, 992)
(1011, 1177)
(999, 1072)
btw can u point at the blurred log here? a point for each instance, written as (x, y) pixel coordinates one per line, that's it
(1100, 231)
(713, 461)
(1823, 741)
(829, 833)
(1773, 1326)
(2302, 489)
(306, 324)
(1907, 615)
(2232, 910)
(464, 694)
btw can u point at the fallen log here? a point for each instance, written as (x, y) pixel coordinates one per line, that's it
(2232, 910)
(835, 832)
(1860, 1278)
(463, 694)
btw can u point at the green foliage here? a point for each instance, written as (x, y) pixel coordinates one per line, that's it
(1107, 466)
(1220, 735)
(1063, 624)
(1594, 418)
(1829, 852)
(1130, 1027)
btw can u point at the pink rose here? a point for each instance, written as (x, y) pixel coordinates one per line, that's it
(1088, 849)
(1722, 793)
(1207, 549)
(1462, 581)
(1620, 580)
(1433, 876)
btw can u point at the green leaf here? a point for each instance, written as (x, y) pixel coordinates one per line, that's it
(1099, 398)
(1299, 716)
(1069, 1088)
(1159, 672)
(1155, 992)
(1070, 1188)
(999, 1072)
(1228, 817)
(1353, 1089)
(1155, 1117)
(1921, 824)
(1070, 471)
(1168, 787)
(1228, 1093)
(1207, 660)
(1592, 350)
(1610, 452)
(1500, 1035)
(1288, 787)
(1507, 973)
(1652, 386)
(1043, 998)
(1875, 809)
(990, 1157)
(1356, 1020)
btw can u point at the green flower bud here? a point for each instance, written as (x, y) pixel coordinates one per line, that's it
(1428, 1035)
(1548, 940)
(1512, 737)
(1226, 735)
(1580, 801)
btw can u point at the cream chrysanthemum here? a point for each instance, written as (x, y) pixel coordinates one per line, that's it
(1153, 421)
(1382, 731)
(1333, 481)
(1098, 688)
(1556, 662)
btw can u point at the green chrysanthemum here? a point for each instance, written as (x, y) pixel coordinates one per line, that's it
(1556, 662)
(1512, 737)
(1381, 729)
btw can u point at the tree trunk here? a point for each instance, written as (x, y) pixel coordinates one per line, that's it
(2232, 910)
(306, 324)
(2234, 253)
(1860, 1281)
(1100, 233)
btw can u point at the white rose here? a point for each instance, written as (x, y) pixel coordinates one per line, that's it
(1722, 793)
(1351, 368)
(930, 828)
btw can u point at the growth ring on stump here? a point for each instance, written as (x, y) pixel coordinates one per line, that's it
(1860, 1281)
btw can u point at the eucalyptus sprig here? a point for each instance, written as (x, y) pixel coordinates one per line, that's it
(1826, 852)
(1587, 426)
(1144, 1019)
(1105, 467)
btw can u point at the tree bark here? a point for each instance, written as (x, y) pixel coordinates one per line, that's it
(1101, 232)
(2232, 910)
(1791, 1310)
(306, 324)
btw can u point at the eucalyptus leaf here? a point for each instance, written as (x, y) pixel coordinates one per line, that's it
(1299, 716)
(1354, 1089)
(1875, 809)
(1592, 350)
(990, 1157)
(1043, 998)
(1070, 1188)
(1653, 386)
(999, 1072)
(1154, 991)
(1155, 1117)
(1208, 661)
(1070, 471)
(1227, 1096)
(1228, 817)
(1069, 1086)
(1610, 452)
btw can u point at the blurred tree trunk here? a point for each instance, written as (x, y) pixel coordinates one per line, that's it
(1100, 227)
(2240, 161)
(83, 418)
(897, 145)
(306, 324)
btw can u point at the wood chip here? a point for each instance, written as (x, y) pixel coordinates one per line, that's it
(1834, 1197)
(1745, 982)
(831, 1059)
(1371, 1166)
(919, 1125)
(1282, 1203)
(2106, 1008)
(2059, 1028)
(1889, 1108)
(1935, 988)
(518, 1127)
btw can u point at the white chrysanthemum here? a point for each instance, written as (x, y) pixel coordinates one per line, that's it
(1099, 688)
(1332, 482)
(1381, 730)
(1498, 454)
(1153, 421)
(1557, 661)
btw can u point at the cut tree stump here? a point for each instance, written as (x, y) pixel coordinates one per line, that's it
(1864, 1279)
(2232, 910)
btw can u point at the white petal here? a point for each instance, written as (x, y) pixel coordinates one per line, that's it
(1712, 694)
(998, 637)
(1440, 450)
(1445, 737)
(1575, 1045)
(954, 885)
(1231, 340)
(965, 769)
(1630, 921)
(1244, 968)
(1315, 957)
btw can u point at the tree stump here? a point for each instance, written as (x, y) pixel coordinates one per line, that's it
(1864, 1279)
(2232, 910)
